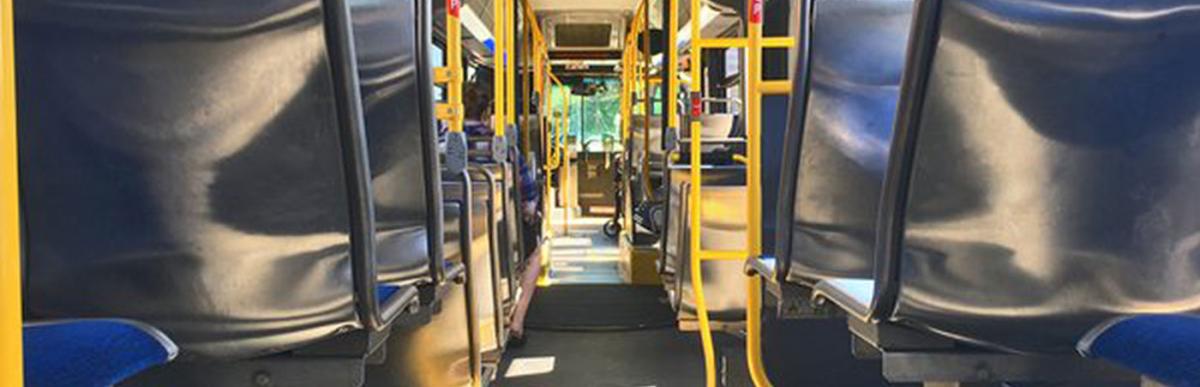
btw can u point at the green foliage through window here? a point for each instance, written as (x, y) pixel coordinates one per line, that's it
(594, 118)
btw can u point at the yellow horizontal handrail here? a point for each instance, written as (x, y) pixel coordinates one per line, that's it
(778, 42)
(772, 42)
(780, 87)
(723, 255)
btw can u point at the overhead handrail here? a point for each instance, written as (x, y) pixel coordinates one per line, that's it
(11, 353)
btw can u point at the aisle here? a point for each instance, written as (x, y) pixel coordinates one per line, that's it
(587, 329)
(658, 357)
(583, 255)
(603, 340)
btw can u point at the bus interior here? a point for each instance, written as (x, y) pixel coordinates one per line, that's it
(599, 193)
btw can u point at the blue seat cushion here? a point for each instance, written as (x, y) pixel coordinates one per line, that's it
(1164, 347)
(86, 353)
(383, 293)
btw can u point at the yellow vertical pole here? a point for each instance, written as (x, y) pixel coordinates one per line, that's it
(566, 161)
(498, 52)
(627, 71)
(706, 339)
(548, 147)
(672, 66)
(628, 91)
(11, 356)
(526, 82)
(510, 61)
(647, 103)
(757, 370)
(454, 63)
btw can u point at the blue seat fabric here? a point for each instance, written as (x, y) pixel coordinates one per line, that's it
(90, 353)
(384, 293)
(1163, 347)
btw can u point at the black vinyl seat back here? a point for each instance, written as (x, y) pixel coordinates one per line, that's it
(1045, 172)
(182, 165)
(849, 62)
(395, 85)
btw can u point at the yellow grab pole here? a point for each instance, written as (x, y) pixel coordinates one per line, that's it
(454, 63)
(510, 73)
(629, 56)
(11, 355)
(547, 166)
(758, 373)
(706, 339)
(566, 162)
(672, 67)
(526, 84)
(548, 131)
(623, 99)
(498, 78)
(648, 104)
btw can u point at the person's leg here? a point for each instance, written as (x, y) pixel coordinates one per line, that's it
(529, 285)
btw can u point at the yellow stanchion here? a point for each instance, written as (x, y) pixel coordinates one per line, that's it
(499, 50)
(647, 104)
(510, 72)
(452, 73)
(565, 173)
(527, 57)
(11, 356)
(758, 373)
(672, 67)
(706, 338)
(754, 45)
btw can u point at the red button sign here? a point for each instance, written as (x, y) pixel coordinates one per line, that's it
(756, 11)
(697, 105)
(453, 6)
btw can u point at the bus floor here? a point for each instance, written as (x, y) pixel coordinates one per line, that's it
(586, 328)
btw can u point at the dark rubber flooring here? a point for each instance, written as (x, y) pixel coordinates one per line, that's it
(615, 336)
(599, 308)
(811, 353)
(661, 357)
